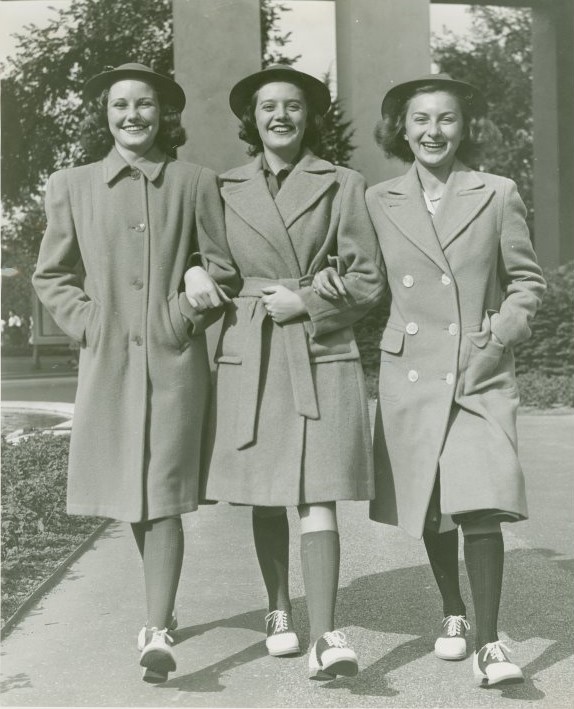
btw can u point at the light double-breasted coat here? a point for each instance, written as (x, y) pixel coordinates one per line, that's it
(447, 394)
(291, 423)
(110, 270)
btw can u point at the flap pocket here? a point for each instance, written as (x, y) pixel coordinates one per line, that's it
(392, 340)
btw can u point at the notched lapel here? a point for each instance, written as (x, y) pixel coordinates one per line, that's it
(465, 196)
(300, 192)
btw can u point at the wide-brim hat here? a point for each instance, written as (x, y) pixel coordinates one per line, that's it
(170, 89)
(316, 91)
(397, 95)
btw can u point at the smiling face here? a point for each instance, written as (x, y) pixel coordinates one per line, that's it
(133, 116)
(434, 129)
(281, 116)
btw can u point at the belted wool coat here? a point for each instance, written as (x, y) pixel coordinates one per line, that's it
(110, 272)
(290, 420)
(447, 394)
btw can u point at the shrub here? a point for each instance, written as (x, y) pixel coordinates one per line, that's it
(37, 534)
(544, 391)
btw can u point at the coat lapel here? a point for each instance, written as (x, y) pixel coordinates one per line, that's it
(246, 193)
(310, 179)
(404, 205)
(465, 196)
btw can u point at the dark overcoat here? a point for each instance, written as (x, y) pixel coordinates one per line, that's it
(109, 271)
(447, 394)
(292, 424)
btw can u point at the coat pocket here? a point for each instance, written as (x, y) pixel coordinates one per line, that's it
(231, 341)
(94, 324)
(391, 370)
(179, 324)
(333, 346)
(487, 366)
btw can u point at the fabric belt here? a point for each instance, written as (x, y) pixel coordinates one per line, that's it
(298, 361)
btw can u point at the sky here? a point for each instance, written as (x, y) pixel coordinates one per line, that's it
(311, 22)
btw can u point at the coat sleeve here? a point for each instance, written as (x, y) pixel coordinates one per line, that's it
(360, 262)
(519, 272)
(212, 250)
(57, 279)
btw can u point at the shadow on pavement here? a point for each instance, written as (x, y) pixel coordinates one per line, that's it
(535, 597)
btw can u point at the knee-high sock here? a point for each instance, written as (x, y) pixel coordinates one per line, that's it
(162, 557)
(271, 536)
(484, 558)
(320, 559)
(442, 550)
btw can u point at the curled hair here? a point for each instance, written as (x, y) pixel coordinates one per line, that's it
(478, 131)
(97, 140)
(248, 128)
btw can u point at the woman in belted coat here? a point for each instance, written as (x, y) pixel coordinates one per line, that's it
(292, 425)
(464, 286)
(119, 237)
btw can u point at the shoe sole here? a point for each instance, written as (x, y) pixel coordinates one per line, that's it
(484, 681)
(454, 658)
(287, 651)
(346, 668)
(153, 677)
(320, 675)
(158, 662)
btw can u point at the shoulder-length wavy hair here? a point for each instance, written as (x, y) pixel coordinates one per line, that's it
(249, 134)
(97, 140)
(478, 131)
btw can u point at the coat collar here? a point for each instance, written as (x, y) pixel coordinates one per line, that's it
(465, 195)
(245, 191)
(151, 165)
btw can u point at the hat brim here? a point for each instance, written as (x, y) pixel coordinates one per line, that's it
(172, 91)
(316, 91)
(400, 93)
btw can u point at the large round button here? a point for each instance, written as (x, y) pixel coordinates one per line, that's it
(408, 281)
(137, 284)
(135, 174)
(140, 227)
(450, 378)
(413, 375)
(453, 328)
(445, 280)
(138, 340)
(412, 328)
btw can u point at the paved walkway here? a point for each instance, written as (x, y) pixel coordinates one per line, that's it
(76, 648)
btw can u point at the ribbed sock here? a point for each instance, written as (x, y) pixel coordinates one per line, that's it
(442, 550)
(163, 558)
(484, 558)
(320, 559)
(271, 536)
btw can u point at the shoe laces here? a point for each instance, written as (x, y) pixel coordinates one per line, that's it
(496, 651)
(278, 619)
(453, 623)
(161, 634)
(335, 638)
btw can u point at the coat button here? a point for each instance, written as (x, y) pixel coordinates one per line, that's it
(412, 328)
(135, 174)
(408, 281)
(449, 378)
(139, 227)
(138, 340)
(413, 375)
(137, 284)
(445, 280)
(453, 328)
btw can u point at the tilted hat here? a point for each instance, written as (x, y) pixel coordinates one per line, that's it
(169, 88)
(316, 91)
(398, 94)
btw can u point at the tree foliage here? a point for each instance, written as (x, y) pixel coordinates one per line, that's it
(497, 58)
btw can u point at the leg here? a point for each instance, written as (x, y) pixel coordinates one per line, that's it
(484, 558)
(271, 536)
(320, 559)
(442, 550)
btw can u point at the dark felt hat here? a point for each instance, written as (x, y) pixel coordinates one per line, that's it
(169, 88)
(316, 91)
(398, 94)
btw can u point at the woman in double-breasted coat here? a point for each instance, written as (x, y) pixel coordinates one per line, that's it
(120, 233)
(292, 425)
(464, 286)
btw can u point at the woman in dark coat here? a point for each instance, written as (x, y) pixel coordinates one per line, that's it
(292, 421)
(120, 233)
(464, 286)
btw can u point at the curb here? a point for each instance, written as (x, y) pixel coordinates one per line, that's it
(51, 581)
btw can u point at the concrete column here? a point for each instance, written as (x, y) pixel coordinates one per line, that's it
(378, 42)
(216, 43)
(553, 113)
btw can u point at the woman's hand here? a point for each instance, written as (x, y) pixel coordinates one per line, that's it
(202, 291)
(329, 284)
(282, 304)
